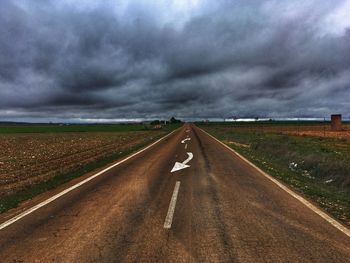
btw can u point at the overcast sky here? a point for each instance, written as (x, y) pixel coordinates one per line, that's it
(73, 59)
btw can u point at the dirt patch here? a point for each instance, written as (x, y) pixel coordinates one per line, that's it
(27, 159)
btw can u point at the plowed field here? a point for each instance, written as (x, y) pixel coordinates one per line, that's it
(27, 159)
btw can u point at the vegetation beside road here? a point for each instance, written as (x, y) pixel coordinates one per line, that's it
(6, 127)
(317, 167)
(53, 128)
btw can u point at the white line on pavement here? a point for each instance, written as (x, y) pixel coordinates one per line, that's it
(186, 146)
(318, 211)
(171, 210)
(36, 207)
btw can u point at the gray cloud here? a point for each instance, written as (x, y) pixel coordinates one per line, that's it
(143, 59)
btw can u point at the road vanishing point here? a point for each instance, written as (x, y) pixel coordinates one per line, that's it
(218, 208)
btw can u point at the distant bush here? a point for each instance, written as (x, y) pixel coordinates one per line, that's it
(173, 120)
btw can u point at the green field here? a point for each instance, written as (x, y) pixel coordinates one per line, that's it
(317, 167)
(44, 128)
(49, 128)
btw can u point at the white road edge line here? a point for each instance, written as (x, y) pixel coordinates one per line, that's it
(36, 207)
(169, 217)
(315, 209)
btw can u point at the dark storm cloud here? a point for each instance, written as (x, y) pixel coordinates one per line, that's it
(126, 59)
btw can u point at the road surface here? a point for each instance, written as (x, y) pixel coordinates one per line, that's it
(217, 208)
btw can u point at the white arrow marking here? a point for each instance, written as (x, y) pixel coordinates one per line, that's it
(179, 166)
(186, 146)
(187, 139)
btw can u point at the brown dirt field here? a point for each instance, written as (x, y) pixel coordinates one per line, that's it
(302, 130)
(26, 159)
(320, 131)
(330, 134)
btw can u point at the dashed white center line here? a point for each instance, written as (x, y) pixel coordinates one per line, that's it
(186, 146)
(171, 210)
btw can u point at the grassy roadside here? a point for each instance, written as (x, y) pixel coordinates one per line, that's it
(49, 128)
(12, 200)
(318, 168)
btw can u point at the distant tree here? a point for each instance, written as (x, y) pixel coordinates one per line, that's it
(173, 120)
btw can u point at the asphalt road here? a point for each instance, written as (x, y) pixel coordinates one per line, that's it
(220, 209)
